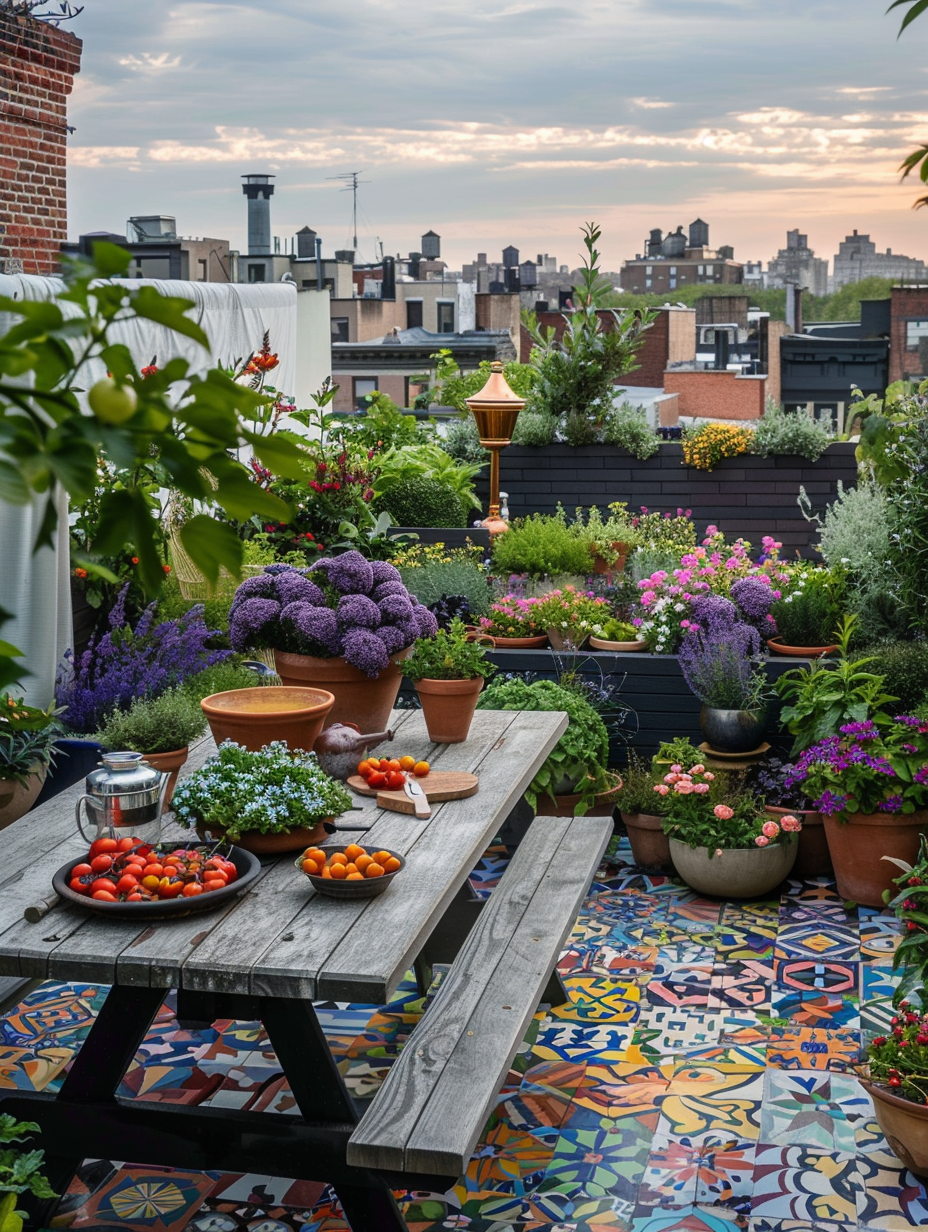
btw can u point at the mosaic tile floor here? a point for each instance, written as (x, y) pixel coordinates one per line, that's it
(698, 1080)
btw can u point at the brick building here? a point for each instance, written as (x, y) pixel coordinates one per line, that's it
(675, 260)
(908, 336)
(38, 63)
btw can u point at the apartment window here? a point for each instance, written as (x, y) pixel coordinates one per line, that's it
(256, 273)
(710, 269)
(204, 277)
(647, 284)
(673, 271)
(914, 330)
(413, 313)
(445, 318)
(340, 329)
(649, 269)
(362, 386)
(700, 269)
(673, 284)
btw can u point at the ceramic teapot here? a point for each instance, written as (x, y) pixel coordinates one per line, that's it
(341, 746)
(123, 798)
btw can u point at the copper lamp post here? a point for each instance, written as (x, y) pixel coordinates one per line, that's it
(495, 410)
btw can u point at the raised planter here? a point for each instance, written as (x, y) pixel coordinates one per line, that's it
(358, 698)
(813, 858)
(739, 872)
(448, 707)
(650, 845)
(904, 1125)
(858, 845)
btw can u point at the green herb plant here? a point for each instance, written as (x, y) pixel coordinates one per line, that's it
(809, 612)
(792, 433)
(627, 427)
(28, 737)
(20, 1171)
(449, 655)
(542, 545)
(162, 724)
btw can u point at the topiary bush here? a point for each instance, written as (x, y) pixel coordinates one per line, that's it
(904, 668)
(418, 501)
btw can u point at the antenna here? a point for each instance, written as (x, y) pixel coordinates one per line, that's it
(351, 185)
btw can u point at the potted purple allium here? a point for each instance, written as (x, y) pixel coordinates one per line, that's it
(719, 664)
(344, 626)
(871, 785)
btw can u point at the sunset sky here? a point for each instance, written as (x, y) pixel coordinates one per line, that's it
(498, 123)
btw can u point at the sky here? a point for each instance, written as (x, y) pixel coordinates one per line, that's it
(500, 122)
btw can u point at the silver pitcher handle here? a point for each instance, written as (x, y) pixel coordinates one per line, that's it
(162, 790)
(77, 813)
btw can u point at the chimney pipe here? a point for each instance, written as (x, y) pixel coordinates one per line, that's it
(320, 285)
(259, 190)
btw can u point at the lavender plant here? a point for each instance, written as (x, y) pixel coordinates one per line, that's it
(717, 657)
(128, 663)
(344, 606)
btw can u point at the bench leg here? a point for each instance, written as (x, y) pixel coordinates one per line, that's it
(515, 827)
(370, 1210)
(555, 993)
(449, 934)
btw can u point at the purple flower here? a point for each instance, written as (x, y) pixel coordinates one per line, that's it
(365, 651)
(316, 625)
(392, 638)
(349, 573)
(295, 588)
(357, 611)
(259, 587)
(753, 597)
(893, 804)
(384, 572)
(395, 608)
(277, 568)
(428, 625)
(830, 804)
(388, 588)
(248, 621)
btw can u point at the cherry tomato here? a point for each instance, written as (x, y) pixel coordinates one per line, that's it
(101, 863)
(216, 874)
(378, 779)
(81, 870)
(231, 872)
(169, 888)
(191, 889)
(134, 898)
(153, 870)
(103, 846)
(125, 844)
(104, 896)
(78, 886)
(103, 883)
(395, 780)
(213, 884)
(151, 882)
(394, 763)
(126, 884)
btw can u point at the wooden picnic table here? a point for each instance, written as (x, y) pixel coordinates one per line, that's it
(265, 957)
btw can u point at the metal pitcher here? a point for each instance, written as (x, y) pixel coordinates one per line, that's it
(124, 797)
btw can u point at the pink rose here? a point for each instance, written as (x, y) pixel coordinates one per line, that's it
(702, 788)
(791, 824)
(762, 840)
(683, 788)
(770, 828)
(698, 769)
(723, 812)
(708, 776)
(661, 788)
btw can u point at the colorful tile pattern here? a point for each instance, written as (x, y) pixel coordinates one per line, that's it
(698, 1079)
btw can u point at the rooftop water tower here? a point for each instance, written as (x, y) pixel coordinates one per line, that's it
(259, 190)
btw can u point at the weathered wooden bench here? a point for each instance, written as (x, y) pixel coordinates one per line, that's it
(428, 1115)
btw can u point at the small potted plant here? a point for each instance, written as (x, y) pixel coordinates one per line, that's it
(611, 538)
(772, 780)
(512, 624)
(341, 627)
(159, 727)
(896, 1079)
(617, 635)
(730, 849)
(570, 615)
(643, 813)
(448, 672)
(870, 782)
(808, 615)
(268, 801)
(19, 1171)
(27, 747)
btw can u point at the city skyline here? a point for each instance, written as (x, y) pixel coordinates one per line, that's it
(512, 125)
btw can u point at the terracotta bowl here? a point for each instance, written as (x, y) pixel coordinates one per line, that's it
(602, 643)
(799, 652)
(255, 717)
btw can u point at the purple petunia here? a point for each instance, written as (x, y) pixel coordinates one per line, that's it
(357, 611)
(249, 619)
(316, 624)
(365, 651)
(395, 608)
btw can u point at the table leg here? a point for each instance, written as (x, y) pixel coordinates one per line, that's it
(321, 1095)
(449, 934)
(95, 1074)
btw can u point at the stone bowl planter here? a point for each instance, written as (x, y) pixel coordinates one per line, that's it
(738, 872)
(601, 643)
(732, 731)
(904, 1125)
(813, 858)
(650, 845)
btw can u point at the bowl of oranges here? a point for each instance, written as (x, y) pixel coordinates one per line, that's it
(349, 872)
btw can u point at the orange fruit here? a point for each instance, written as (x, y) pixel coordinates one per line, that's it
(352, 851)
(382, 857)
(338, 857)
(373, 870)
(407, 762)
(362, 862)
(327, 872)
(317, 854)
(351, 868)
(391, 865)
(421, 769)
(310, 866)
(339, 872)
(355, 877)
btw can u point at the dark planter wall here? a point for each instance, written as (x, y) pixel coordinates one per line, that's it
(747, 496)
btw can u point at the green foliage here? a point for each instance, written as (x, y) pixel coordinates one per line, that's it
(908, 507)
(20, 1170)
(428, 461)
(462, 441)
(272, 791)
(619, 631)
(223, 678)
(639, 779)
(435, 578)
(601, 533)
(679, 751)
(155, 725)
(382, 425)
(627, 427)
(580, 755)
(452, 387)
(448, 656)
(904, 668)
(791, 433)
(421, 501)
(580, 429)
(541, 545)
(843, 305)
(535, 428)
(27, 738)
(809, 613)
(828, 694)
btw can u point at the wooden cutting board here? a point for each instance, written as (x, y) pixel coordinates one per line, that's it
(438, 785)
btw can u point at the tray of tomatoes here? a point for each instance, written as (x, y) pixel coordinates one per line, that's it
(386, 774)
(128, 878)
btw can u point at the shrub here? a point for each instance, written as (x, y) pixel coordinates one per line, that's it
(809, 614)
(534, 428)
(223, 678)
(789, 432)
(427, 461)
(627, 427)
(419, 501)
(432, 580)
(706, 446)
(159, 725)
(462, 442)
(904, 668)
(580, 429)
(541, 545)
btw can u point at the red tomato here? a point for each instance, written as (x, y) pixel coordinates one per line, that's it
(212, 883)
(78, 886)
(81, 870)
(231, 871)
(103, 846)
(395, 780)
(126, 884)
(153, 870)
(101, 863)
(103, 883)
(104, 896)
(378, 779)
(134, 898)
(384, 763)
(125, 844)
(191, 889)
(168, 887)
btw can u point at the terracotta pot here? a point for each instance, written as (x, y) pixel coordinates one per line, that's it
(601, 643)
(357, 698)
(650, 845)
(448, 707)
(799, 652)
(273, 844)
(732, 731)
(904, 1125)
(600, 565)
(813, 858)
(559, 640)
(255, 717)
(16, 799)
(858, 845)
(739, 872)
(169, 763)
(564, 806)
(520, 643)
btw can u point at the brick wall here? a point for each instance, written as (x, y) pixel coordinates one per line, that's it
(37, 68)
(905, 303)
(710, 394)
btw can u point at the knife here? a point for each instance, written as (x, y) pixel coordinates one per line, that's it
(418, 797)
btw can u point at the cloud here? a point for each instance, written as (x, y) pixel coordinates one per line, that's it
(148, 63)
(650, 104)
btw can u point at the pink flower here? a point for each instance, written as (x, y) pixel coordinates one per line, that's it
(676, 769)
(648, 598)
(718, 851)
(708, 776)
(770, 828)
(684, 788)
(671, 778)
(762, 840)
(723, 812)
(661, 788)
(697, 769)
(702, 788)
(791, 824)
